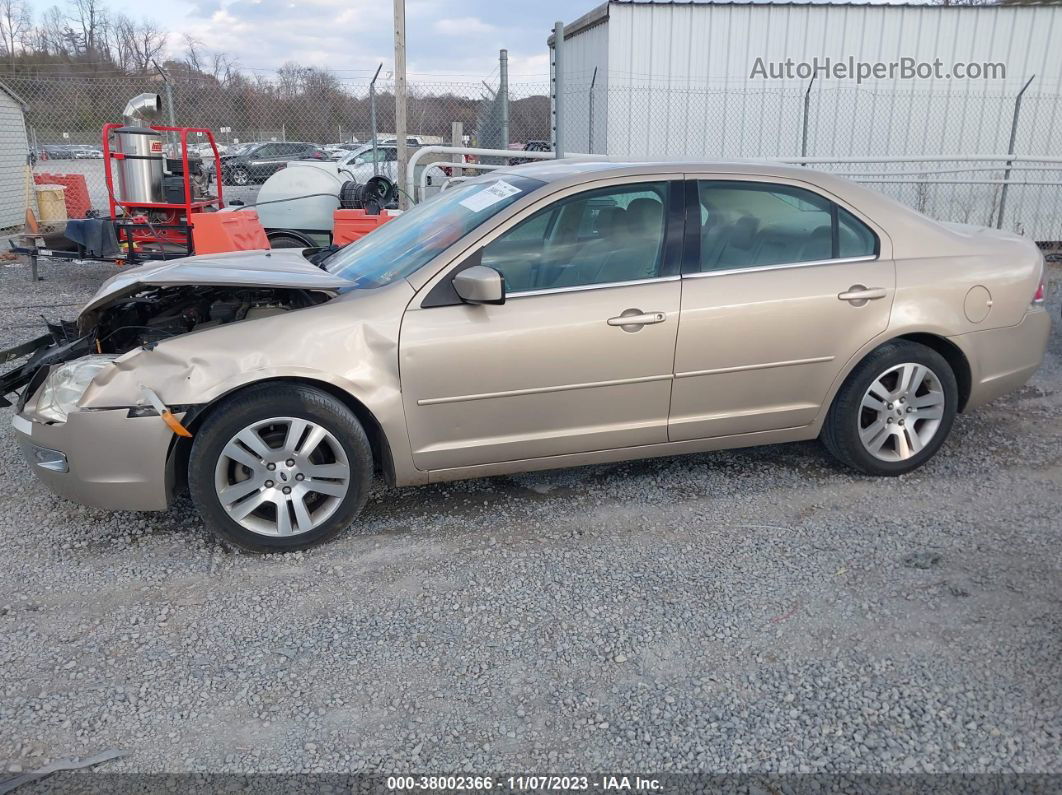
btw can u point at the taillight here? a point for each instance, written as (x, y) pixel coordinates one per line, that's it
(1041, 293)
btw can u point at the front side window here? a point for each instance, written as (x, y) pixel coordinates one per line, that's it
(603, 236)
(402, 246)
(755, 224)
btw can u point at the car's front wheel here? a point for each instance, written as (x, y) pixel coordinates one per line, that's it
(279, 468)
(894, 411)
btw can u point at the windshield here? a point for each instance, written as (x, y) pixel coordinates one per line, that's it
(404, 245)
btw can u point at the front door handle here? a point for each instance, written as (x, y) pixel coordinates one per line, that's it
(858, 295)
(634, 319)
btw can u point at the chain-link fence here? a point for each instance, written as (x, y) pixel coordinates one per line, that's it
(65, 114)
(840, 129)
(832, 128)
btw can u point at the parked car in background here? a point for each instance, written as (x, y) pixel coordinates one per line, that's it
(256, 162)
(341, 150)
(57, 152)
(359, 163)
(411, 140)
(205, 151)
(530, 146)
(87, 152)
(548, 315)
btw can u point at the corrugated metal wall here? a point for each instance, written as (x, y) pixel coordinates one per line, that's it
(679, 84)
(702, 56)
(582, 54)
(13, 152)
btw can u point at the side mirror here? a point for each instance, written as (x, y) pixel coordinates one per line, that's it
(480, 285)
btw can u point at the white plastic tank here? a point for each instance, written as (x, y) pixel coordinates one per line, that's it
(310, 194)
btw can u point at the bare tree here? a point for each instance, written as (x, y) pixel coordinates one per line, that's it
(89, 19)
(16, 26)
(148, 43)
(192, 56)
(122, 34)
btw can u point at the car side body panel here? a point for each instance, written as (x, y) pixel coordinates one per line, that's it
(759, 349)
(543, 374)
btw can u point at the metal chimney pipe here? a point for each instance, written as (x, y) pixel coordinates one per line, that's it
(141, 107)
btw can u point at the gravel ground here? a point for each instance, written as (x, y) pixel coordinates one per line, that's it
(757, 610)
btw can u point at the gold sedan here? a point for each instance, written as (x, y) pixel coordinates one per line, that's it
(546, 315)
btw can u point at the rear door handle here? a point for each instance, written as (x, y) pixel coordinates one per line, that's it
(858, 295)
(634, 319)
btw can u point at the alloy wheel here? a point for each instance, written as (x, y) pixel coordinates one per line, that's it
(901, 412)
(282, 476)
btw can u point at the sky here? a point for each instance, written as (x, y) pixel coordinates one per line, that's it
(450, 38)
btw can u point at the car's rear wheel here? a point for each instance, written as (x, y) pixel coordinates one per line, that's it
(279, 468)
(894, 411)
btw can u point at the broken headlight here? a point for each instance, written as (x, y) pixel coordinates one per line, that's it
(66, 383)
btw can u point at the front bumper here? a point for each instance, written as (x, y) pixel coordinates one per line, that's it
(111, 460)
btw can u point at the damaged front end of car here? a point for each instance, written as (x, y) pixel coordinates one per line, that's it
(67, 358)
(104, 400)
(144, 307)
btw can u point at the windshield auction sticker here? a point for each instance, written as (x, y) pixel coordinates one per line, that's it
(497, 192)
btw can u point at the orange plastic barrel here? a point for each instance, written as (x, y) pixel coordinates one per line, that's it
(214, 233)
(353, 224)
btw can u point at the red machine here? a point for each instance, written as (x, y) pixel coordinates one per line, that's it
(157, 197)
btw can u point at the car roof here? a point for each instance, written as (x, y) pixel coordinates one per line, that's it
(573, 171)
(565, 168)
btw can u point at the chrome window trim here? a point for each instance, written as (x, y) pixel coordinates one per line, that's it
(779, 266)
(582, 287)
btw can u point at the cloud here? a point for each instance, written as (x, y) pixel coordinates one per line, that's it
(463, 26)
(446, 39)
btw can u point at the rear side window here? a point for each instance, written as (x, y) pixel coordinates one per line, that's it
(854, 238)
(757, 224)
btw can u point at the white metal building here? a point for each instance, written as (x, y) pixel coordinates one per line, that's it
(676, 79)
(14, 157)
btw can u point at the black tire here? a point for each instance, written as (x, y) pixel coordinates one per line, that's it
(263, 402)
(841, 431)
(288, 240)
(239, 176)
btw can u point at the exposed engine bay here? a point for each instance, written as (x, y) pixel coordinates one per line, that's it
(162, 312)
(147, 318)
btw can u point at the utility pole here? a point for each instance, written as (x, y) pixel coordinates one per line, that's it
(169, 103)
(807, 113)
(503, 96)
(1010, 151)
(558, 88)
(400, 96)
(590, 125)
(372, 118)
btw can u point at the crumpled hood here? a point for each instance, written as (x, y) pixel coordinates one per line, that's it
(285, 267)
